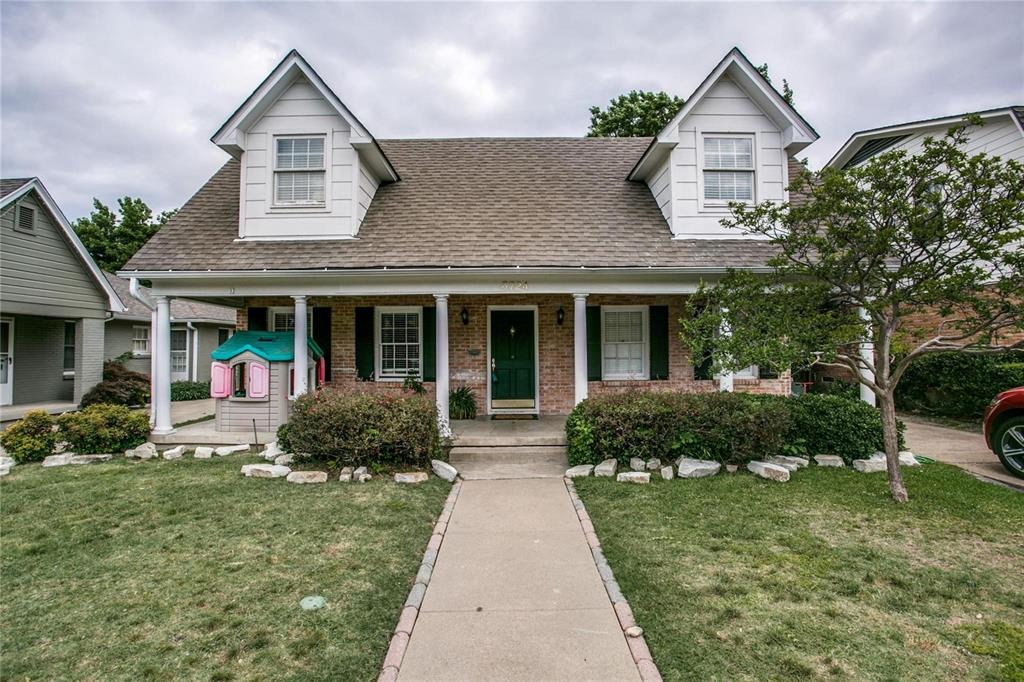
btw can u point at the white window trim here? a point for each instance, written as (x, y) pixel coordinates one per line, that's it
(378, 311)
(287, 309)
(750, 372)
(645, 343)
(316, 206)
(149, 342)
(717, 206)
(17, 218)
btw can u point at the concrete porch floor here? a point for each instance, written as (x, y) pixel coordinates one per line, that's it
(10, 413)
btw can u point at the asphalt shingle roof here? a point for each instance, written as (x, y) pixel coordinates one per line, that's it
(182, 309)
(559, 202)
(8, 185)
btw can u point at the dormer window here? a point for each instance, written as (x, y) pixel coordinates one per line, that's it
(728, 170)
(299, 171)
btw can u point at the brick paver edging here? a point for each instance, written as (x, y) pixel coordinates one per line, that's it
(403, 631)
(630, 630)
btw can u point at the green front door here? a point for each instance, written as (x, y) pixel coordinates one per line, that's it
(513, 361)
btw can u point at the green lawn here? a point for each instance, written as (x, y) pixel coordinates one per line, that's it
(823, 577)
(184, 569)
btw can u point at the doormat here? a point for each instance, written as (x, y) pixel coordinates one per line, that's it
(513, 417)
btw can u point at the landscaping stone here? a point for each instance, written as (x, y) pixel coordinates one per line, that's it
(346, 475)
(145, 451)
(581, 471)
(829, 461)
(272, 452)
(58, 460)
(6, 461)
(633, 631)
(772, 472)
(203, 452)
(869, 466)
(634, 477)
(667, 473)
(606, 468)
(265, 470)
(653, 464)
(312, 603)
(800, 462)
(306, 476)
(225, 450)
(637, 464)
(4, 470)
(907, 459)
(411, 477)
(361, 475)
(444, 470)
(90, 459)
(687, 467)
(783, 462)
(173, 453)
(732, 468)
(284, 460)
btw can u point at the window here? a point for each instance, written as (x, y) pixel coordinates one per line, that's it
(299, 171)
(283, 319)
(140, 340)
(399, 342)
(26, 218)
(223, 334)
(240, 380)
(179, 351)
(728, 169)
(69, 349)
(624, 342)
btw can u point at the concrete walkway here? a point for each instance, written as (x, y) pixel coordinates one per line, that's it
(515, 594)
(959, 448)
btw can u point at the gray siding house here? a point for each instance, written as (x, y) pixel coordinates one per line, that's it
(53, 304)
(196, 330)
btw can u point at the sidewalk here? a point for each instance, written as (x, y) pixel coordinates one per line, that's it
(959, 448)
(515, 594)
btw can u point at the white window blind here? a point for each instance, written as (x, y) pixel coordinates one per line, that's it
(624, 343)
(140, 340)
(728, 169)
(299, 170)
(399, 344)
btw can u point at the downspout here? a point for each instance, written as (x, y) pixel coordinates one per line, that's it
(194, 350)
(135, 289)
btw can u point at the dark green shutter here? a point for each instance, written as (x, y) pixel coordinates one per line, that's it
(702, 369)
(257, 318)
(429, 344)
(593, 343)
(658, 321)
(322, 335)
(364, 343)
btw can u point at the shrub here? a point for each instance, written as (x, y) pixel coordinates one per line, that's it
(359, 429)
(31, 438)
(462, 403)
(120, 386)
(103, 428)
(190, 390)
(835, 425)
(958, 384)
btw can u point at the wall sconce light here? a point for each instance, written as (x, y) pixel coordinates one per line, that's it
(560, 316)
(464, 315)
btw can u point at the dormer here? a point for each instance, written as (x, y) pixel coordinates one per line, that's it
(309, 168)
(731, 141)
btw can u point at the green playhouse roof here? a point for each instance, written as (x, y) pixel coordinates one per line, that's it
(271, 346)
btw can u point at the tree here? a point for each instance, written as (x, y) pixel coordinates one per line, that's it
(787, 92)
(112, 239)
(637, 114)
(939, 230)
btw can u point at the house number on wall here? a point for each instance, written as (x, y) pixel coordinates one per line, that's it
(516, 284)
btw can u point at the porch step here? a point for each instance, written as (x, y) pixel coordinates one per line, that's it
(538, 454)
(491, 440)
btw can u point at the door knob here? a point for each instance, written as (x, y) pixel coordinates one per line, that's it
(494, 365)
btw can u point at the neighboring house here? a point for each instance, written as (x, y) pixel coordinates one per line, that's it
(197, 328)
(535, 271)
(53, 303)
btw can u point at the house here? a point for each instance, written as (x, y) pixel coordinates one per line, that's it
(197, 328)
(535, 271)
(53, 303)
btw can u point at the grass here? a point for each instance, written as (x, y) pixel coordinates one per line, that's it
(186, 570)
(734, 577)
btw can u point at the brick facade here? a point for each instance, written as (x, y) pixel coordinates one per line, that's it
(467, 346)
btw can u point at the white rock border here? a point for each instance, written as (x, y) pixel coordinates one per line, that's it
(634, 635)
(392, 664)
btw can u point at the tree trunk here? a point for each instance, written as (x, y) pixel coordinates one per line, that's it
(892, 446)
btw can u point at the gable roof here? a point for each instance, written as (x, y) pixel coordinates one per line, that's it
(271, 346)
(465, 203)
(182, 309)
(13, 189)
(273, 86)
(797, 133)
(864, 144)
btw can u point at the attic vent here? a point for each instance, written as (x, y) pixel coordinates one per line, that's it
(26, 217)
(873, 147)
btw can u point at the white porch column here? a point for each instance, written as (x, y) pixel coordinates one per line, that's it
(580, 345)
(867, 354)
(153, 355)
(441, 361)
(161, 398)
(301, 363)
(725, 378)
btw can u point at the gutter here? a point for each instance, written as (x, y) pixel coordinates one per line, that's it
(194, 349)
(326, 272)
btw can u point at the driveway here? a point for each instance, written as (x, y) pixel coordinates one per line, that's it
(959, 448)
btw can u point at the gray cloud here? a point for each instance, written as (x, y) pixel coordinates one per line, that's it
(104, 99)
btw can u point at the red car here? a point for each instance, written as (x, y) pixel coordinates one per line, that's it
(1004, 429)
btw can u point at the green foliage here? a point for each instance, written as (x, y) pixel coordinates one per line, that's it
(357, 429)
(959, 384)
(113, 238)
(31, 438)
(190, 390)
(834, 425)
(120, 386)
(414, 385)
(100, 429)
(787, 92)
(462, 403)
(637, 114)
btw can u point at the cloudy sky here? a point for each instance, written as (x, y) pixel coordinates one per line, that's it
(107, 99)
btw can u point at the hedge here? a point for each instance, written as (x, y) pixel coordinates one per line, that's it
(103, 429)
(958, 384)
(732, 428)
(30, 439)
(190, 390)
(359, 429)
